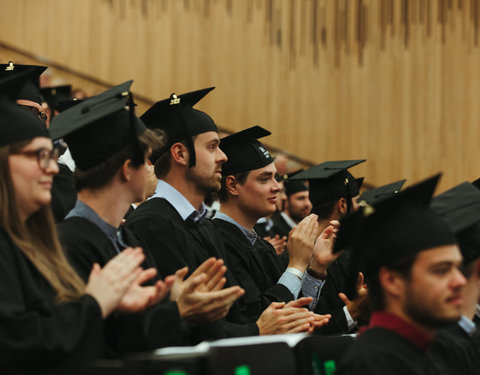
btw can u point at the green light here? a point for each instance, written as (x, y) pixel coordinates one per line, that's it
(242, 370)
(329, 367)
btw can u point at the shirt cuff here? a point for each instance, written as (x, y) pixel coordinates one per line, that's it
(350, 322)
(292, 282)
(311, 287)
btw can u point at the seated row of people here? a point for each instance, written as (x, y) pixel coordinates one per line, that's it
(200, 279)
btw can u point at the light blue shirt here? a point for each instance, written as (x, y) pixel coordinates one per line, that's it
(113, 234)
(179, 202)
(467, 325)
(267, 221)
(251, 235)
(309, 286)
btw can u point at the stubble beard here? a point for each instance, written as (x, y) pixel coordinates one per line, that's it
(205, 185)
(424, 315)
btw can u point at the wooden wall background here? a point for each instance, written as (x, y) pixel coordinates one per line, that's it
(394, 81)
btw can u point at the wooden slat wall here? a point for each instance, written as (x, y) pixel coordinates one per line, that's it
(394, 81)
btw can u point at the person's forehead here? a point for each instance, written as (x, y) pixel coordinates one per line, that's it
(208, 137)
(447, 253)
(39, 142)
(299, 195)
(268, 169)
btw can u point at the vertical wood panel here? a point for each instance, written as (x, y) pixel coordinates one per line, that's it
(393, 81)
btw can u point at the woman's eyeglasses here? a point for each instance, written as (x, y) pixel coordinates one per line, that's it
(43, 155)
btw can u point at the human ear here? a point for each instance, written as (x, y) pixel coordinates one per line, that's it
(231, 185)
(179, 153)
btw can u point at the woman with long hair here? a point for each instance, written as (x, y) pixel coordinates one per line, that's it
(50, 321)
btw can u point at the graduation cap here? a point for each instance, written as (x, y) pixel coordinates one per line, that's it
(17, 124)
(100, 126)
(330, 181)
(180, 121)
(394, 228)
(359, 182)
(244, 151)
(55, 95)
(459, 207)
(66, 104)
(293, 186)
(373, 196)
(30, 88)
(476, 183)
(368, 198)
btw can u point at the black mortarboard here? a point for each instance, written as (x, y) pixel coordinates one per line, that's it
(66, 104)
(359, 181)
(397, 227)
(244, 151)
(54, 95)
(476, 183)
(459, 207)
(30, 88)
(293, 186)
(330, 181)
(369, 197)
(373, 196)
(99, 127)
(177, 117)
(16, 124)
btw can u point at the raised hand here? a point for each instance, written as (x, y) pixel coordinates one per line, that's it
(278, 243)
(318, 320)
(109, 284)
(360, 303)
(200, 297)
(279, 318)
(301, 241)
(322, 251)
(138, 297)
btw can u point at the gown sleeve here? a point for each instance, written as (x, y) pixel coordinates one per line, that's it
(34, 329)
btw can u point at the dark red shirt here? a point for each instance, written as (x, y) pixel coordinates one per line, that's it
(402, 328)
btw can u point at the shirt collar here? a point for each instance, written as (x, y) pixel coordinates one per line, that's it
(251, 236)
(402, 328)
(288, 220)
(113, 234)
(467, 325)
(179, 202)
(267, 222)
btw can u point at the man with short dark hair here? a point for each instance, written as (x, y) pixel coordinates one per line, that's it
(459, 344)
(297, 206)
(249, 191)
(334, 192)
(171, 224)
(411, 264)
(110, 146)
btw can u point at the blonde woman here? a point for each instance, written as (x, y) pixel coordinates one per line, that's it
(50, 321)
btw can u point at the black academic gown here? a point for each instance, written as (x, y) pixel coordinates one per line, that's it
(381, 351)
(37, 335)
(280, 226)
(329, 302)
(261, 230)
(160, 325)
(175, 243)
(256, 267)
(64, 193)
(457, 349)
